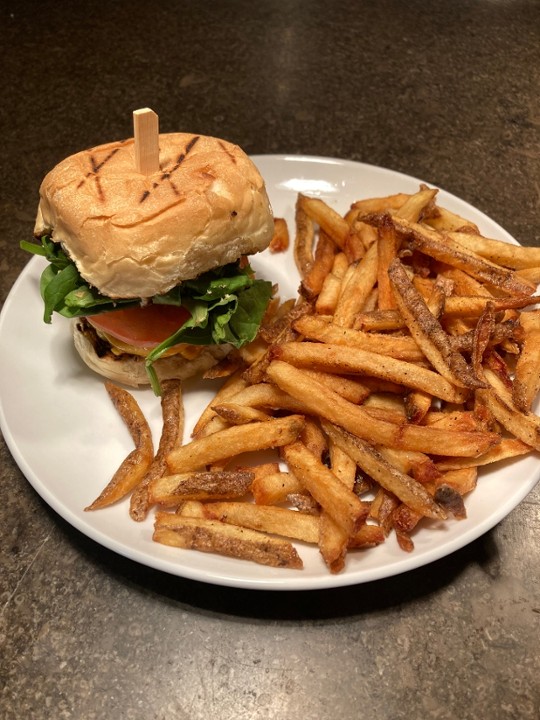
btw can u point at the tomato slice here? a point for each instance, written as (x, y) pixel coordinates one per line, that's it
(144, 326)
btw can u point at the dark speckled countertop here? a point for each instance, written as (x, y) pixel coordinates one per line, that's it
(445, 91)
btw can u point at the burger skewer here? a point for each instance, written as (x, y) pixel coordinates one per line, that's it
(146, 137)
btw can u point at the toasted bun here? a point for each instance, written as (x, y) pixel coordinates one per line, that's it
(132, 235)
(130, 370)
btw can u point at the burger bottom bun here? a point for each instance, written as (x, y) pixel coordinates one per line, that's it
(130, 369)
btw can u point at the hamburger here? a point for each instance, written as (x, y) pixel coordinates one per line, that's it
(152, 269)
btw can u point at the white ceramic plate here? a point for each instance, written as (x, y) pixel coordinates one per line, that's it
(67, 439)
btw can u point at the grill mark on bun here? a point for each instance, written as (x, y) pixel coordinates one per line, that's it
(227, 152)
(94, 172)
(166, 174)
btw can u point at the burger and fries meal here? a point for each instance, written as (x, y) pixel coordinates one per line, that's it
(408, 361)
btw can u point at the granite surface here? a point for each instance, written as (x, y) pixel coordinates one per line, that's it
(445, 91)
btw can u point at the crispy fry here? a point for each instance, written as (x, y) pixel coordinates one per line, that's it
(232, 441)
(136, 464)
(331, 288)
(327, 218)
(339, 502)
(527, 374)
(171, 490)
(428, 333)
(280, 238)
(275, 520)
(231, 386)
(357, 289)
(304, 240)
(237, 414)
(214, 536)
(172, 411)
(330, 406)
(404, 487)
(497, 251)
(442, 247)
(400, 347)
(348, 360)
(323, 262)
(274, 488)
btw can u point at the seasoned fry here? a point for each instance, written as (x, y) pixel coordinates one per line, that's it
(323, 262)
(348, 360)
(327, 218)
(172, 410)
(233, 441)
(527, 374)
(497, 251)
(357, 288)
(232, 386)
(237, 414)
(442, 247)
(331, 406)
(275, 520)
(428, 333)
(304, 239)
(400, 347)
(214, 536)
(136, 464)
(275, 488)
(171, 490)
(404, 487)
(339, 502)
(280, 238)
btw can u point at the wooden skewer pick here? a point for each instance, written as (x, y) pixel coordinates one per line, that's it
(146, 133)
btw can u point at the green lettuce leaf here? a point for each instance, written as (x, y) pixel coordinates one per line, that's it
(226, 305)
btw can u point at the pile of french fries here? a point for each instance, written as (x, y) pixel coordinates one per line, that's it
(409, 360)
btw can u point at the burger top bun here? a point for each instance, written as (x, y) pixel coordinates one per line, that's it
(132, 235)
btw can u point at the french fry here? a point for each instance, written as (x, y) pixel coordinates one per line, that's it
(507, 449)
(443, 248)
(327, 218)
(231, 386)
(232, 441)
(347, 360)
(322, 264)
(388, 245)
(237, 414)
(339, 502)
(171, 490)
(333, 538)
(331, 288)
(280, 238)
(304, 241)
(326, 404)
(274, 488)
(428, 333)
(527, 374)
(523, 425)
(404, 487)
(136, 464)
(497, 251)
(400, 347)
(218, 537)
(276, 520)
(357, 289)
(172, 411)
